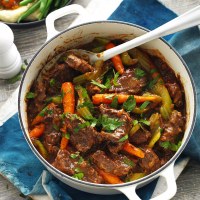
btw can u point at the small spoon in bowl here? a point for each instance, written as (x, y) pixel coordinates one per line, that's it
(184, 21)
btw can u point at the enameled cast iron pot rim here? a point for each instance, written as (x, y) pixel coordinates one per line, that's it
(108, 185)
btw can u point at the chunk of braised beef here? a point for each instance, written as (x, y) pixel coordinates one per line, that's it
(170, 81)
(140, 137)
(115, 147)
(78, 64)
(52, 142)
(129, 83)
(40, 92)
(150, 162)
(81, 138)
(173, 127)
(176, 93)
(115, 166)
(92, 89)
(121, 131)
(71, 166)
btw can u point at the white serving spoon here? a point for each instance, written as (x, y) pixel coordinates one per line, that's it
(184, 21)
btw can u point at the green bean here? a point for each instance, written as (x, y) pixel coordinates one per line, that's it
(47, 8)
(31, 10)
(25, 2)
(64, 2)
(56, 4)
(43, 5)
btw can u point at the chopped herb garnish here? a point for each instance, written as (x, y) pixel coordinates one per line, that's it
(74, 155)
(129, 162)
(145, 122)
(144, 105)
(114, 103)
(26, 62)
(153, 71)
(139, 73)
(55, 127)
(129, 104)
(109, 96)
(116, 75)
(77, 170)
(170, 146)
(109, 124)
(43, 112)
(52, 82)
(134, 122)
(81, 126)
(30, 95)
(23, 67)
(123, 138)
(98, 84)
(66, 135)
(80, 160)
(153, 82)
(79, 176)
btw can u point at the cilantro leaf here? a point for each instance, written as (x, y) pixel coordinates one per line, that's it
(135, 122)
(30, 95)
(144, 105)
(116, 75)
(129, 162)
(55, 127)
(52, 82)
(114, 102)
(129, 104)
(66, 135)
(78, 176)
(98, 84)
(153, 82)
(170, 146)
(123, 138)
(74, 155)
(139, 73)
(109, 124)
(81, 126)
(145, 122)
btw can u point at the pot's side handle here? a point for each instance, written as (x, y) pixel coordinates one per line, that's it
(67, 10)
(168, 174)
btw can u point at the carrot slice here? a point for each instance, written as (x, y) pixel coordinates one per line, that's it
(108, 98)
(37, 131)
(129, 148)
(68, 101)
(68, 97)
(116, 60)
(110, 178)
(39, 118)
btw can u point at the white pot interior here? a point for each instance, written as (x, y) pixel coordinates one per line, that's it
(84, 34)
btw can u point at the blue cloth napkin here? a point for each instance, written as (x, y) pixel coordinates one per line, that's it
(22, 168)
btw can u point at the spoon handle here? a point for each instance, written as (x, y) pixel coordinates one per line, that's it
(186, 20)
